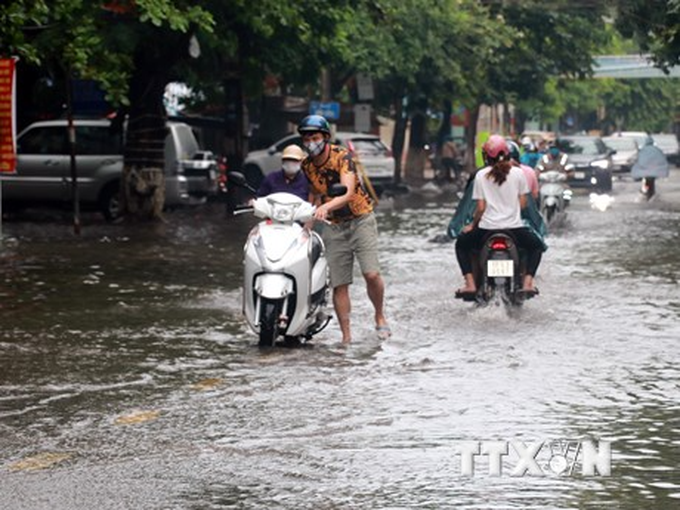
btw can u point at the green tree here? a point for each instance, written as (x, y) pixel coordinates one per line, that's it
(551, 43)
(654, 25)
(130, 48)
(422, 54)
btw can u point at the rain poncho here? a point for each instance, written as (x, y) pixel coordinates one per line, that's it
(466, 209)
(651, 162)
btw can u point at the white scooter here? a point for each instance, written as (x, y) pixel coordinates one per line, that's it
(554, 194)
(285, 285)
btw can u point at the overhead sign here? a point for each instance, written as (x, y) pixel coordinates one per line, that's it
(364, 87)
(8, 157)
(630, 66)
(329, 110)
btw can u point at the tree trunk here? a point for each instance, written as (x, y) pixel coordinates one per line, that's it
(520, 121)
(398, 138)
(471, 140)
(143, 184)
(444, 130)
(143, 191)
(417, 155)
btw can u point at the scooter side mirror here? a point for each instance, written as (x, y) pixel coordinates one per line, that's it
(238, 179)
(337, 190)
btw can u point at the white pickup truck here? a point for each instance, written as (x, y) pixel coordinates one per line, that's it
(43, 172)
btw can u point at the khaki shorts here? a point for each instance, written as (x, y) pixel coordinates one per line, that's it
(352, 238)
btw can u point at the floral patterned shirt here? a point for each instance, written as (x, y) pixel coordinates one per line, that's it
(322, 177)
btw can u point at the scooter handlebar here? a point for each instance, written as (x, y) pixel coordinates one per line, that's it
(242, 209)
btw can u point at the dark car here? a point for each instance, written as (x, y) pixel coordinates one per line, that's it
(590, 161)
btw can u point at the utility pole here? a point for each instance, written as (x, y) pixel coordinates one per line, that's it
(72, 151)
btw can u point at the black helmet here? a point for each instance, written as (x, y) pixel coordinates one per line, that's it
(313, 124)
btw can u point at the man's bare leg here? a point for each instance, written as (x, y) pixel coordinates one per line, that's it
(375, 287)
(343, 307)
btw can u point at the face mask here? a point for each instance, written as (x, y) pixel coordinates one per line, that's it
(315, 148)
(291, 168)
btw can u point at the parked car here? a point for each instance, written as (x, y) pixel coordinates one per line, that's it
(590, 160)
(626, 152)
(641, 137)
(375, 157)
(43, 171)
(668, 143)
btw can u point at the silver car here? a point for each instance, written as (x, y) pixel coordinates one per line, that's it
(668, 143)
(373, 155)
(626, 152)
(43, 171)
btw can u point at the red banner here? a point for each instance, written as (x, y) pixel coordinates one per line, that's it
(8, 157)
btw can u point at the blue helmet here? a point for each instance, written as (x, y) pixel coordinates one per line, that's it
(313, 124)
(514, 150)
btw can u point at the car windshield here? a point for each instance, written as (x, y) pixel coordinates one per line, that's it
(187, 144)
(585, 146)
(621, 143)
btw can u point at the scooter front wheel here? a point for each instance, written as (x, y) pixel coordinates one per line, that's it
(549, 213)
(269, 317)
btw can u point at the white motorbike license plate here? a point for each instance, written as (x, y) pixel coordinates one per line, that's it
(500, 268)
(579, 175)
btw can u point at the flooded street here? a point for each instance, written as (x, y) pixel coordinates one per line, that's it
(128, 377)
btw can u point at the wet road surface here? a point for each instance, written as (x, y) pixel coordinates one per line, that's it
(128, 378)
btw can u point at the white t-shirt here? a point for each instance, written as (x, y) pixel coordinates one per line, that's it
(503, 209)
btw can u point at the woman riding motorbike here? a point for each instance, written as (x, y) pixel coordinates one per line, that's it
(500, 190)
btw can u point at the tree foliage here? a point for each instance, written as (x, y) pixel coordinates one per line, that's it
(423, 54)
(94, 40)
(654, 25)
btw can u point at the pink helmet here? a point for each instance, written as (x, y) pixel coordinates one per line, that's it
(495, 147)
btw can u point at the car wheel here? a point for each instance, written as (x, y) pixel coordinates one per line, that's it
(110, 204)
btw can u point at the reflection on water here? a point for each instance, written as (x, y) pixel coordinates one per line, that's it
(125, 358)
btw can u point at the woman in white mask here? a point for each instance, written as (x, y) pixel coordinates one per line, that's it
(289, 178)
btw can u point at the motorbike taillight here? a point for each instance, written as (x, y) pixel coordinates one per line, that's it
(499, 244)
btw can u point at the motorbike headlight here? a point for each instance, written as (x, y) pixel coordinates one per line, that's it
(283, 212)
(601, 163)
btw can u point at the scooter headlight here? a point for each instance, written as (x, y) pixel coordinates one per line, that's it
(283, 212)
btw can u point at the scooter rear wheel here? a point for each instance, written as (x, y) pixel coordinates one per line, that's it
(269, 316)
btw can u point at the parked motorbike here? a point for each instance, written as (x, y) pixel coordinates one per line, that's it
(554, 194)
(285, 279)
(498, 270)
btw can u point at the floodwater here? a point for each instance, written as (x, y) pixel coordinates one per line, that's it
(128, 378)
